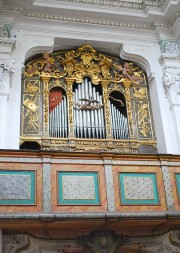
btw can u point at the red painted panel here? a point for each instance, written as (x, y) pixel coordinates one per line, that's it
(55, 98)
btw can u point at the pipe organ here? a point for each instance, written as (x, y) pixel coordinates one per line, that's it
(82, 100)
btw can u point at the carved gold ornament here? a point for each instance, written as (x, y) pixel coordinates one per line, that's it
(31, 117)
(90, 105)
(85, 61)
(140, 92)
(143, 118)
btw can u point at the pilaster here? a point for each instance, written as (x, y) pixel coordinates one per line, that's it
(109, 185)
(46, 185)
(6, 72)
(170, 62)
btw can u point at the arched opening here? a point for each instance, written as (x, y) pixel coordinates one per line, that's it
(58, 120)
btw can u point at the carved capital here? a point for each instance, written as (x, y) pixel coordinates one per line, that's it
(127, 84)
(45, 79)
(70, 81)
(171, 47)
(171, 82)
(104, 83)
(6, 73)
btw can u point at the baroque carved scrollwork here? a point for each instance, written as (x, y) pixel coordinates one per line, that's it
(21, 243)
(85, 61)
(171, 243)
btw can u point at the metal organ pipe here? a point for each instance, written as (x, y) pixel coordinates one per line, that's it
(90, 121)
(119, 123)
(58, 126)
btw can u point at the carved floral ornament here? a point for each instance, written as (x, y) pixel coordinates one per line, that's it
(84, 62)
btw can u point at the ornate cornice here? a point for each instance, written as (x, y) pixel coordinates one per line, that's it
(87, 21)
(118, 4)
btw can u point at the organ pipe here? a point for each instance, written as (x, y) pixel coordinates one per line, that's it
(88, 111)
(58, 126)
(119, 123)
(90, 122)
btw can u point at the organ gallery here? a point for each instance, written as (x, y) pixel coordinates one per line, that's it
(84, 100)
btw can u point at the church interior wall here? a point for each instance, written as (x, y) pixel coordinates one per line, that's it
(32, 38)
(91, 201)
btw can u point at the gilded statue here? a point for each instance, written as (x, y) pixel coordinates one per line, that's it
(128, 72)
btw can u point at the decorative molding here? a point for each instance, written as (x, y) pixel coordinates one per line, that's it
(117, 4)
(140, 5)
(88, 21)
